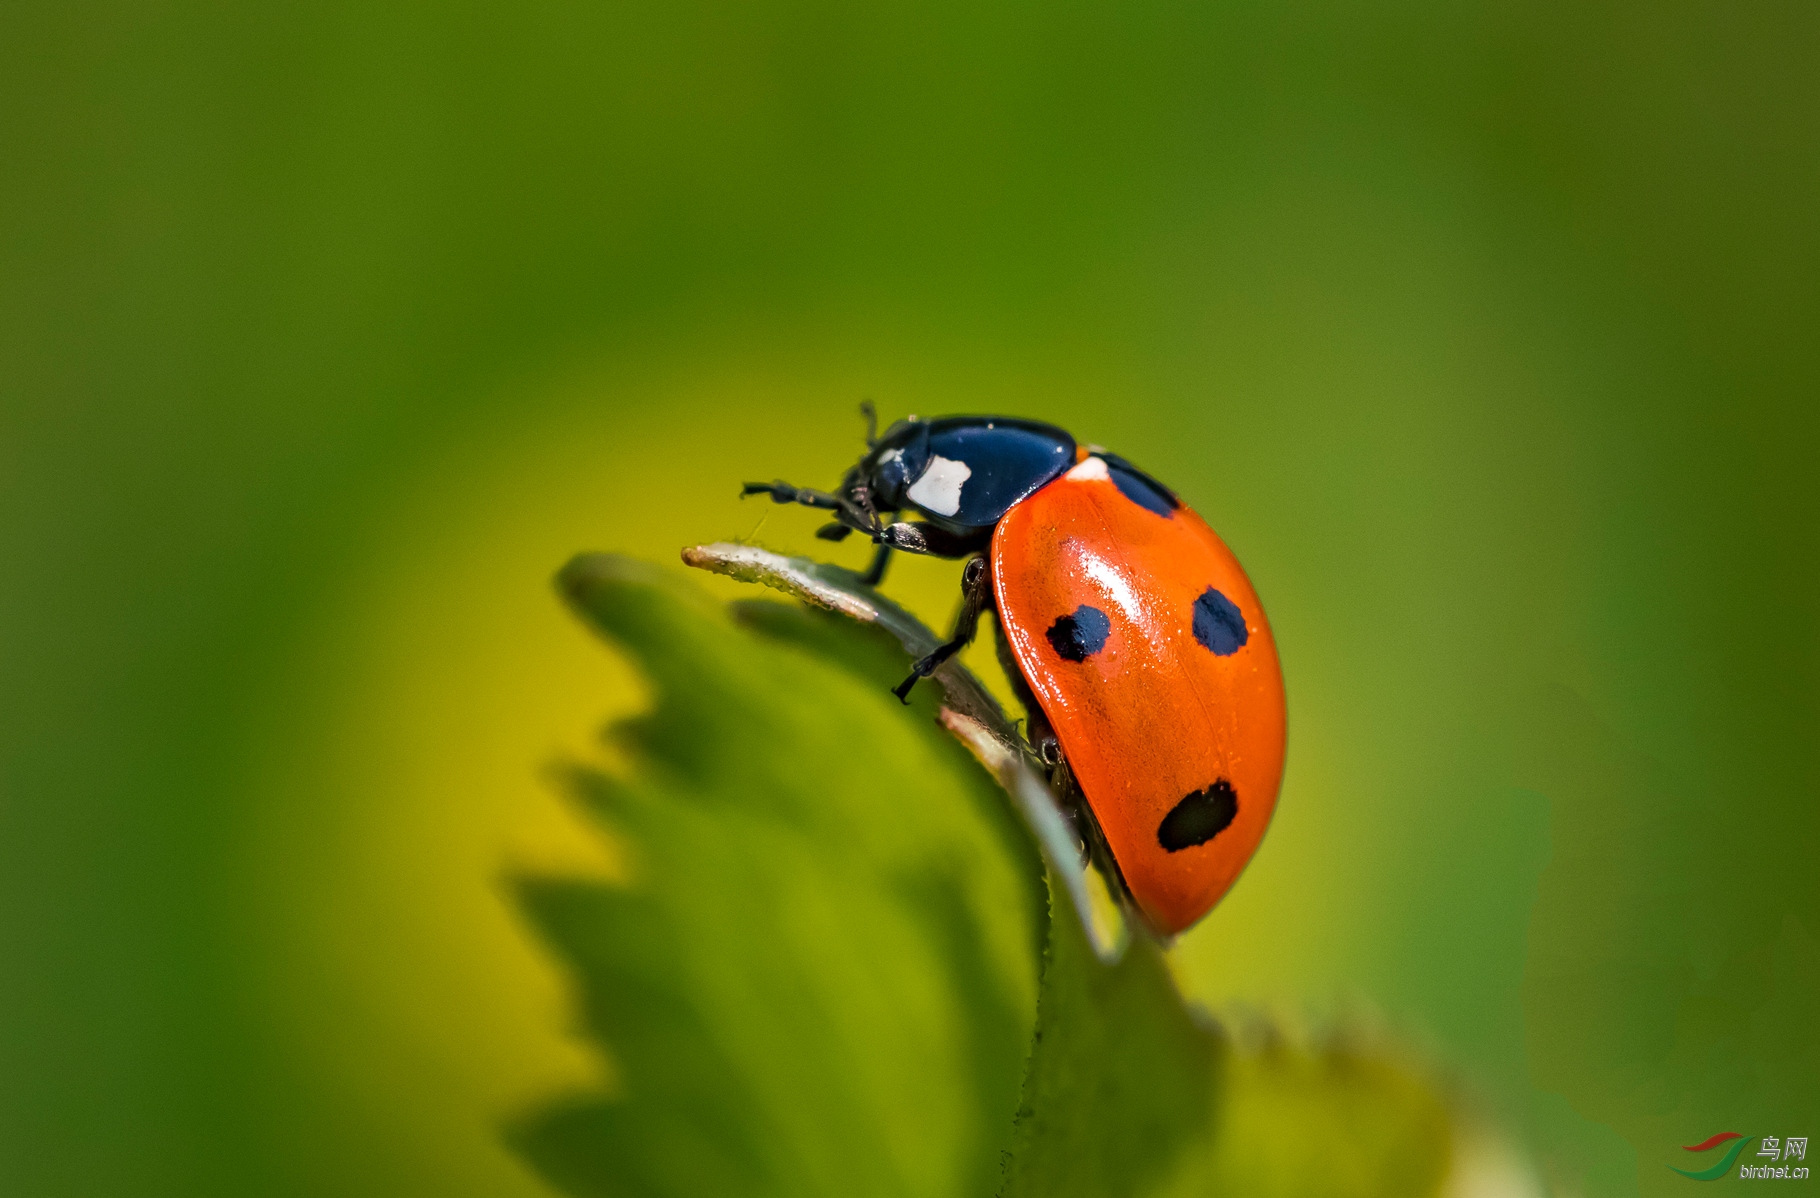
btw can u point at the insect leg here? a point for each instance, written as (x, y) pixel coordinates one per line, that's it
(782, 492)
(914, 536)
(846, 511)
(976, 594)
(875, 573)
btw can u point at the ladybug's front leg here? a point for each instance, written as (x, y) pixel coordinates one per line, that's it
(849, 515)
(976, 597)
(875, 573)
(783, 492)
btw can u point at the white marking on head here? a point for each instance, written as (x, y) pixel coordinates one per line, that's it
(939, 489)
(890, 455)
(1089, 470)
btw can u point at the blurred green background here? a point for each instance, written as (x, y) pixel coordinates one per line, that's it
(1486, 334)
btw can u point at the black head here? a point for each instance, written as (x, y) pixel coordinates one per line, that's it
(961, 473)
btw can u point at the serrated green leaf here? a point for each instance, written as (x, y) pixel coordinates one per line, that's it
(824, 978)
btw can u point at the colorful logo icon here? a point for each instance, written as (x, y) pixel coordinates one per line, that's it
(1736, 1139)
(1771, 1149)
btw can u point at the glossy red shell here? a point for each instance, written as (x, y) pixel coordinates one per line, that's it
(1153, 715)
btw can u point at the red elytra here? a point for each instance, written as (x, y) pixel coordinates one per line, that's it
(1146, 647)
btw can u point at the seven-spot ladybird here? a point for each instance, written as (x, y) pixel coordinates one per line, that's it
(1138, 644)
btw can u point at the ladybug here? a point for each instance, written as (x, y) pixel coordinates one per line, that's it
(1128, 627)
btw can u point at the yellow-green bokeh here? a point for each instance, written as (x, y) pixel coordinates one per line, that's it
(1483, 335)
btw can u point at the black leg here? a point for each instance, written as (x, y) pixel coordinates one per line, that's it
(859, 515)
(782, 492)
(976, 594)
(875, 573)
(846, 511)
(914, 536)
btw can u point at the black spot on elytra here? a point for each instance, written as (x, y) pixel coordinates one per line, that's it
(1219, 624)
(1199, 817)
(1080, 635)
(1139, 487)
